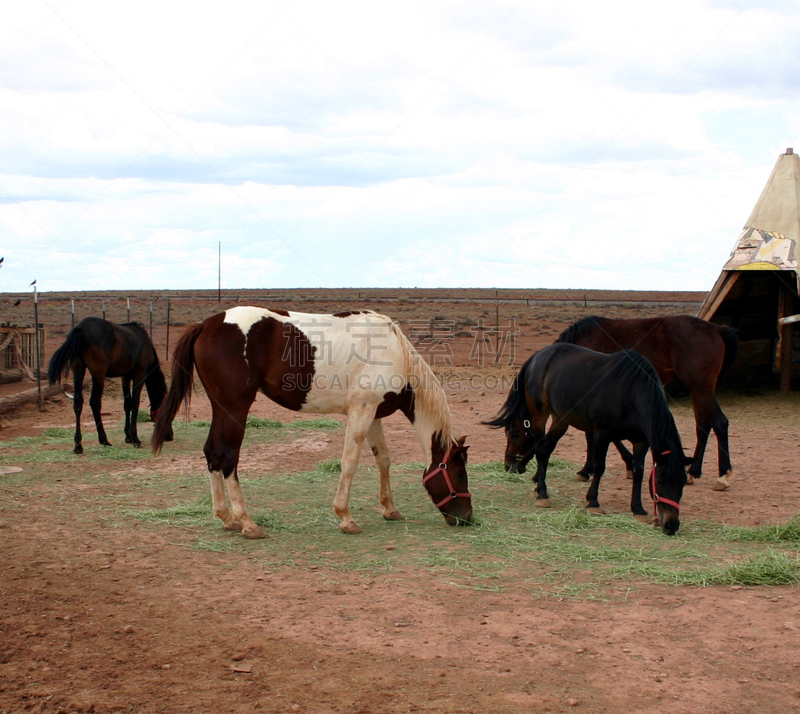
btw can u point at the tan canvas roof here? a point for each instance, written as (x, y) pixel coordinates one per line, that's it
(771, 236)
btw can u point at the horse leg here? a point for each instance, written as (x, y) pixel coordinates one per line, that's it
(359, 420)
(126, 407)
(77, 404)
(586, 472)
(639, 453)
(627, 457)
(132, 413)
(377, 443)
(709, 416)
(545, 444)
(599, 452)
(95, 402)
(222, 455)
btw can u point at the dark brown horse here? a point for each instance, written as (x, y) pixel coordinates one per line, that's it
(354, 363)
(680, 347)
(110, 350)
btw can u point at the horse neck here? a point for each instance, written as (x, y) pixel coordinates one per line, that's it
(660, 429)
(156, 386)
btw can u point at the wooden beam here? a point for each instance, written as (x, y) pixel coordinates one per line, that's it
(718, 294)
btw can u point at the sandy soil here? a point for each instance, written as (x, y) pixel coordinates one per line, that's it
(99, 620)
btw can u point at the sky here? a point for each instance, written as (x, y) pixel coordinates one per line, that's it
(613, 145)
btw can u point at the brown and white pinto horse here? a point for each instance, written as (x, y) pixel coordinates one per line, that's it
(354, 363)
(680, 347)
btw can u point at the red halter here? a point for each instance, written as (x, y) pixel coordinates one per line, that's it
(654, 493)
(442, 467)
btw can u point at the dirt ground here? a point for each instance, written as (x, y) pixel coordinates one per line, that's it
(100, 620)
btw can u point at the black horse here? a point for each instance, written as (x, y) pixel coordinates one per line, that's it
(107, 349)
(611, 398)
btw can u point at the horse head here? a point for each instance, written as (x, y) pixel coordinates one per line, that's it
(520, 446)
(446, 482)
(666, 488)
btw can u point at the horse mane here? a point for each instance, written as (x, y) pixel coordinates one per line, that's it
(515, 407)
(633, 368)
(581, 328)
(430, 402)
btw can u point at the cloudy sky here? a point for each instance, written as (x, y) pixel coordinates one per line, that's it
(576, 144)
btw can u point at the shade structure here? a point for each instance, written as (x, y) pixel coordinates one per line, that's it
(757, 291)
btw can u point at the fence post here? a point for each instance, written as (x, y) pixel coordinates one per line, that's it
(167, 357)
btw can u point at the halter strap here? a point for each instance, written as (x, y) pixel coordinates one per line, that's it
(656, 498)
(442, 468)
(527, 424)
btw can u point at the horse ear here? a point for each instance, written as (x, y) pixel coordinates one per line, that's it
(459, 448)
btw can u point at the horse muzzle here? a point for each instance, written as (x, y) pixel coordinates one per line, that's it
(459, 514)
(515, 464)
(668, 519)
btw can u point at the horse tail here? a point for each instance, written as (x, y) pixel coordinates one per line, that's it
(180, 389)
(66, 355)
(515, 404)
(731, 340)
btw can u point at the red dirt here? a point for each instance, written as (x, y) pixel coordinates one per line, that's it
(101, 620)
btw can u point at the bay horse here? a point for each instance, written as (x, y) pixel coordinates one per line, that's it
(610, 397)
(356, 363)
(107, 349)
(680, 347)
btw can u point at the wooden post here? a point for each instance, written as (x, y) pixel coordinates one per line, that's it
(787, 339)
(167, 352)
(496, 330)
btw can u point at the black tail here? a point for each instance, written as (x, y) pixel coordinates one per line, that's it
(515, 404)
(66, 355)
(180, 389)
(731, 340)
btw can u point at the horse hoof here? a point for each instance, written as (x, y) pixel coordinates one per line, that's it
(720, 485)
(233, 526)
(137, 444)
(689, 479)
(643, 519)
(543, 502)
(595, 510)
(254, 532)
(78, 449)
(580, 477)
(393, 516)
(351, 529)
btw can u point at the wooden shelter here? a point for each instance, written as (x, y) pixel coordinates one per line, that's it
(758, 291)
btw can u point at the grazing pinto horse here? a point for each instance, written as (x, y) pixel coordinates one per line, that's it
(610, 397)
(680, 347)
(355, 363)
(110, 350)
